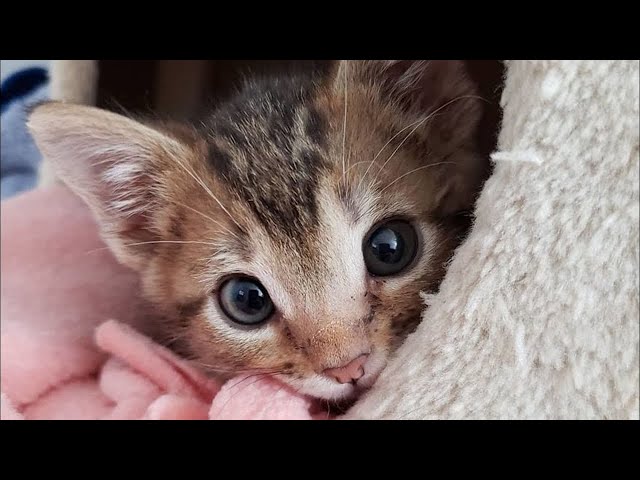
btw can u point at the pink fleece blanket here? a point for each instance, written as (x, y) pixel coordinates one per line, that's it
(70, 345)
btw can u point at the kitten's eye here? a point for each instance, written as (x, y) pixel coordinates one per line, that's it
(245, 301)
(390, 248)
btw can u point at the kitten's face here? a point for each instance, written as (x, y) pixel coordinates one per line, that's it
(293, 232)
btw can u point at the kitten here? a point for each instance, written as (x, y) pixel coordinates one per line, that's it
(292, 231)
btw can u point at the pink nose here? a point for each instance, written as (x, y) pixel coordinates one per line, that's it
(350, 372)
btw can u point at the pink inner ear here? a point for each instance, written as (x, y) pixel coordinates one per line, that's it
(105, 158)
(124, 183)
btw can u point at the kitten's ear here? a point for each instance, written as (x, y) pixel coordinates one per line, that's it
(419, 87)
(443, 94)
(112, 163)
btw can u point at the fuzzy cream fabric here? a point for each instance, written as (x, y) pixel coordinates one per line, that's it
(538, 315)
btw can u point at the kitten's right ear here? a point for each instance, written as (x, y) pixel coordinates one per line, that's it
(111, 162)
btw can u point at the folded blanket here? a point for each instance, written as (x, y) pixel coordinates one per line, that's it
(139, 379)
(61, 356)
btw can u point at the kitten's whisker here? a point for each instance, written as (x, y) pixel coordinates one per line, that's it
(170, 241)
(396, 150)
(358, 163)
(417, 124)
(385, 146)
(209, 366)
(207, 217)
(273, 399)
(158, 241)
(431, 115)
(233, 371)
(151, 242)
(117, 107)
(344, 126)
(259, 377)
(206, 189)
(349, 166)
(415, 170)
(96, 250)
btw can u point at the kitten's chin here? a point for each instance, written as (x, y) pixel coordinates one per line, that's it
(322, 388)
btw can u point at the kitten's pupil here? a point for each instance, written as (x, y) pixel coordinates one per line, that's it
(250, 301)
(387, 245)
(245, 301)
(390, 248)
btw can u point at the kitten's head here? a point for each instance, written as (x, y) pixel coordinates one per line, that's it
(292, 232)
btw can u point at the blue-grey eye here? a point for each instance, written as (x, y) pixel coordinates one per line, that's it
(245, 301)
(390, 247)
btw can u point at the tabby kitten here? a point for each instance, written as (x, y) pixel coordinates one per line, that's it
(292, 231)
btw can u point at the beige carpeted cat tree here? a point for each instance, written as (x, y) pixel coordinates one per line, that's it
(538, 314)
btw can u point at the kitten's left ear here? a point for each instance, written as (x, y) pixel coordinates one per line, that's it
(113, 163)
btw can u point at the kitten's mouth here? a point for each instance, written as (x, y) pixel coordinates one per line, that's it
(333, 396)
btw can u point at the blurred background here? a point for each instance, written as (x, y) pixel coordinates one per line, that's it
(7, 67)
(23, 83)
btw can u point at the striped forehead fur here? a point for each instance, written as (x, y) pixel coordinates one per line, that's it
(269, 146)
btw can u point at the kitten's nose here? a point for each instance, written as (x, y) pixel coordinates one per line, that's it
(350, 372)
